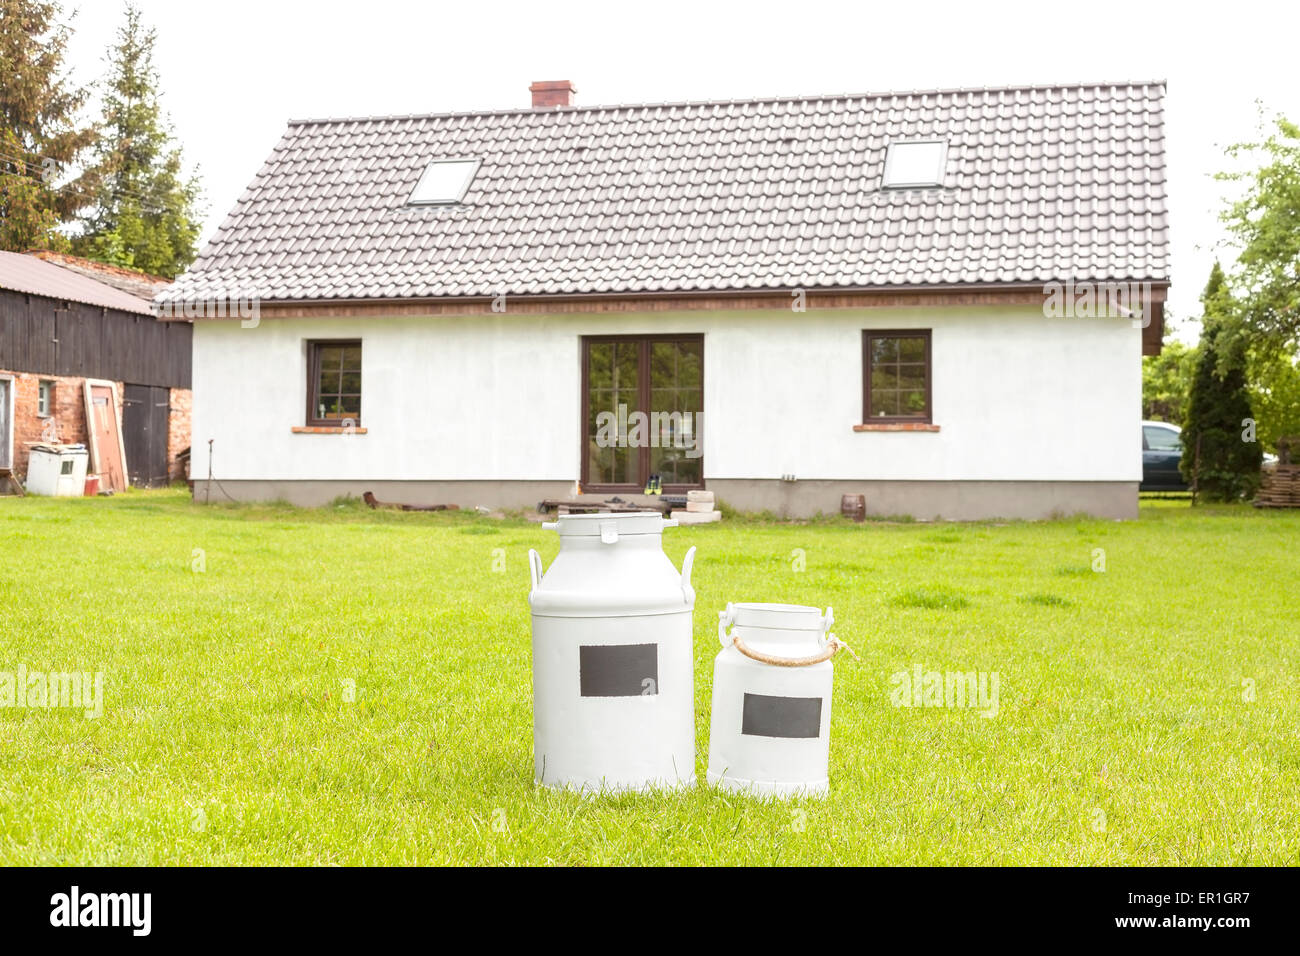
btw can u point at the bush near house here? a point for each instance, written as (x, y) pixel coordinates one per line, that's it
(353, 686)
(1167, 380)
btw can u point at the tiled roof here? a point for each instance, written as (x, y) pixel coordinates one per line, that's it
(1041, 183)
(138, 283)
(29, 274)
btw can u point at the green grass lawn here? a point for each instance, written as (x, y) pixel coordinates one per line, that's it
(1147, 714)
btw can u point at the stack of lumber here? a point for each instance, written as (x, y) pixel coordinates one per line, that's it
(1280, 488)
(699, 509)
(597, 504)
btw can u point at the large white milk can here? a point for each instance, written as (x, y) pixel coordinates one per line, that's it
(613, 676)
(770, 732)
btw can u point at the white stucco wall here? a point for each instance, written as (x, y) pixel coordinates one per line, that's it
(1017, 396)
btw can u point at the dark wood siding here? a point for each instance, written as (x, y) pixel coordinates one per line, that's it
(67, 338)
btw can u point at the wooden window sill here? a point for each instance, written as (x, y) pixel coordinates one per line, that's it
(326, 430)
(896, 427)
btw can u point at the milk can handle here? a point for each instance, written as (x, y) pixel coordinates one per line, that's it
(827, 640)
(688, 562)
(725, 620)
(535, 567)
(832, 649)
(828, 621)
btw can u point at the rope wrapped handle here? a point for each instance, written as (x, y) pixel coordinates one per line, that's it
(833, 645)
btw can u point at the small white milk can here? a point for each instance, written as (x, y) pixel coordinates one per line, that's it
(772, 682)
(613, 674)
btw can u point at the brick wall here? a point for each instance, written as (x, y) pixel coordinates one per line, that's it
(67, 423)
(178, 430)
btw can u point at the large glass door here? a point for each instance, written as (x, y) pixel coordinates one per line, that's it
(643, 405)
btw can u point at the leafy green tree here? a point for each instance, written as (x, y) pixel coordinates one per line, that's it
(1217, 457)
(1167, 379)
(145, 213)
(41, 141)
(1275, 394)
(1265, 223)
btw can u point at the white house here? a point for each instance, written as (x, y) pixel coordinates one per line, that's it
(937, 299)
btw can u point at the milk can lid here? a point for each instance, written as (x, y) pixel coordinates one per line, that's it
(624, 523)
(792, 617)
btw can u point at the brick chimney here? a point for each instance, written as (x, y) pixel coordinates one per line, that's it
(548, 94)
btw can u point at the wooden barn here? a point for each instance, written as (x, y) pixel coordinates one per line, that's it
(77, 335)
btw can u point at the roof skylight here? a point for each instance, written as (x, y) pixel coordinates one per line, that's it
(444, 181)
(915, 164)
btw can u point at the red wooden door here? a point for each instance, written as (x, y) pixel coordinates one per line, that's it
(105, 435)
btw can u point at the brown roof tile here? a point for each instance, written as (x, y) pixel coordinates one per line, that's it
(1041, 183)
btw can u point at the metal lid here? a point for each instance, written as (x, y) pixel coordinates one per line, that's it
(590, 578)
(606, 525)
(786, 617)
(775, 629)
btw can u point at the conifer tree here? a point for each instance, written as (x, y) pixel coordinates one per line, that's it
(145, 214)
(41, 140)
(1219, 448)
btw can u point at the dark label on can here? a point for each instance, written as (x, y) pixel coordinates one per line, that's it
(618, 670)
(765, 716)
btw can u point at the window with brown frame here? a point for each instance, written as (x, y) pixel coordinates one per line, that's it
(334, 383)
(896, 376)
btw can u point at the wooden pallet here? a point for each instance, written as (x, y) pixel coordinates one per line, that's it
(1280, 488)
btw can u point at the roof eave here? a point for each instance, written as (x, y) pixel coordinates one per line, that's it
(1008, 293)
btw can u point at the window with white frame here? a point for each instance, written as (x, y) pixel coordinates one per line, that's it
(915, 164)
(45, 398)
(444, 182)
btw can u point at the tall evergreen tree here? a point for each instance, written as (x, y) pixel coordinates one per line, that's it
(145, 213)
(1216, 449)
(41, 141)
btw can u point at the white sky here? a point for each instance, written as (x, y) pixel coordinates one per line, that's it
(234, 71)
